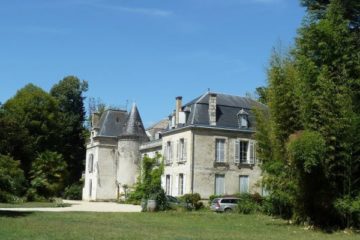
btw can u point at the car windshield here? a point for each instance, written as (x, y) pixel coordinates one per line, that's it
(215, 200)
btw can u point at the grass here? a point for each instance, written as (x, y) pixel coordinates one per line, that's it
(171, 225)
(33, 205)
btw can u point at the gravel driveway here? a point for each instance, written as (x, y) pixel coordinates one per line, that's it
(82, 206)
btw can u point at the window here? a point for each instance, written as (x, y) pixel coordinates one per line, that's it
(168, 152)
(219, 151)
(181, 184)
(243, 119)
(181, 150)
(167, 186)
(219, 184)
(91, 163)
(244, 184)
(245, 152)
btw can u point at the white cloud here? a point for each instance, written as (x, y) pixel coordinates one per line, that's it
(135, 10)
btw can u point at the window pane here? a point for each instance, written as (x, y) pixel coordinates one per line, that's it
(243, 151)
(219, 185)
(244, 184)
(220, 150)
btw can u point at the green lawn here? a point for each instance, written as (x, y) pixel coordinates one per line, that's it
(32, 205)
(173, 225)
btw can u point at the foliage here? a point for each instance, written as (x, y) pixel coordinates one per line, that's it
(74, 191)
(11, 179)
(248, 203)
(349, 208)
(36, 113)
(69, 94)
(193, 201)
(148, 185)
(48, 174)
(308, 142)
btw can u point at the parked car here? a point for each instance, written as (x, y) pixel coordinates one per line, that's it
(225, 204)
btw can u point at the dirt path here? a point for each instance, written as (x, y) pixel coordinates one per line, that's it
(82, 206)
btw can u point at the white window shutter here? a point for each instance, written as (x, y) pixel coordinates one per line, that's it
(237, 151)
(185, 150)
(177, 150)
(165, 153)
(163, 182)
(176, 186)
(251, 152)
(171, 152)
(184, 184)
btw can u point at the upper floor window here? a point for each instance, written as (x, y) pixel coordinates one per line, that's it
(91, 163)
(245, 151)
(243, 121)
(220, 150)
(181, 150)
(168, 152)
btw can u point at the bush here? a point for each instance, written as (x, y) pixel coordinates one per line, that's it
(74, 191)
(193, 201)
(248, 203)
(48, 173)
(11, 179)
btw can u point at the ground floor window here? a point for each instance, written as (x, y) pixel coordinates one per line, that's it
(244, 184)
(219, 184)
(167, 185)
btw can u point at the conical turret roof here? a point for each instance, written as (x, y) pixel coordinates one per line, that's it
(134, 125)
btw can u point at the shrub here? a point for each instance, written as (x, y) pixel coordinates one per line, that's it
(193, 201)
(248, 203)
(48, 173)
(11, 179)
(74, 191)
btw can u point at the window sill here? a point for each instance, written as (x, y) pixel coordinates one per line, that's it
(245, 165)
(168, 163)
(181, 162)
(221, 164)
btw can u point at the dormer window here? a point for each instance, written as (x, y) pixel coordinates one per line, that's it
(243, 119)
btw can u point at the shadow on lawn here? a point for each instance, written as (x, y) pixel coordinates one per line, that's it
(14, 214)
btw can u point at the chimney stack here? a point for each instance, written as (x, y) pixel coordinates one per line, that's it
(178, 109)
(95, 118)
(212, 109)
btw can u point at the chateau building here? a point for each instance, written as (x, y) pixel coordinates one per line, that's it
(207, 145)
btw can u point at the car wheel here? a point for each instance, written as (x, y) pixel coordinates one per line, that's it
(228, 210)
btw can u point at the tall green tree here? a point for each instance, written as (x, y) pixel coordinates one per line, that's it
(328, 60)
(69, 93)
(36, 115)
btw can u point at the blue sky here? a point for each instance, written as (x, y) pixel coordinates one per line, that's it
(143, 51)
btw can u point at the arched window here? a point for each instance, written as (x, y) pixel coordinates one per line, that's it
(243, 119)
(91, 163)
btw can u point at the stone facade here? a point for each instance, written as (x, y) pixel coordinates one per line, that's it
(208, 147)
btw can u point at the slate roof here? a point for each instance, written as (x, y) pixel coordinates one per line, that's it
(117, 123)
(227, 109)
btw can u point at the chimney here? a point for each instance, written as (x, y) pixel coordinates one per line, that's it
(95, 118)
(178, 109)
(212, 109)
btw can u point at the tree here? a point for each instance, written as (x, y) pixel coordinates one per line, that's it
(310, 147)
(11, 179)
(48, 175)
(69, 94)
(36, 116)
